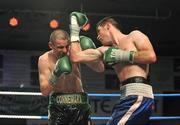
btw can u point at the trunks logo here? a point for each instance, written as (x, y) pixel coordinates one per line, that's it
(68, 99)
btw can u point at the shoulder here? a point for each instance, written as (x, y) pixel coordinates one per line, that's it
(137, 34)
(43, 58)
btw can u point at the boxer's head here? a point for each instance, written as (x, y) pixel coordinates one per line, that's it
(104, 28)
(59, 42)
(106, 20)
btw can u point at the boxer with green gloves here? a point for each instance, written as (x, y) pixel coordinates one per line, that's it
(60, 79)
(131, 55)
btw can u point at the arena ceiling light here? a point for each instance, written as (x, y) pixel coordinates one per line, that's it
(13, 21)
(54, 23)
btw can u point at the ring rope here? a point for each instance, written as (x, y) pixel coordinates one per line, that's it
(23, 117)
(93, 117)
(19, 93)
(90, 94)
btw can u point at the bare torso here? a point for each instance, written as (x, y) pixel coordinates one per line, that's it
(125, 70)
(67, 83)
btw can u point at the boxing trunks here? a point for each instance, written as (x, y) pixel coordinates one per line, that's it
(136, 103)
(69, 109)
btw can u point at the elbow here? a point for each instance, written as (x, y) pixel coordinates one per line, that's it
(45, 93)
(153, 58)
(100, 70)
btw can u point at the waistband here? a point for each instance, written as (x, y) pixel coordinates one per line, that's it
(137, 89)
(135, 79)
(68, 98)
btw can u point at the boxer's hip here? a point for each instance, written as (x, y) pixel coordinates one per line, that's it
(136, 86)
(68, 108)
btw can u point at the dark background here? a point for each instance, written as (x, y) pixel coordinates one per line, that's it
(159, 19)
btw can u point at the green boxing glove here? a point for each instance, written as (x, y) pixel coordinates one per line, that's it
(62, 66)
(114, 55)
(86, 43)
(77, 20)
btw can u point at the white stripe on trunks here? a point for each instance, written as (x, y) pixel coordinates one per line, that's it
(128, 114)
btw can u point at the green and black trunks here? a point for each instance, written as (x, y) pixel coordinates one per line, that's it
(69, 109)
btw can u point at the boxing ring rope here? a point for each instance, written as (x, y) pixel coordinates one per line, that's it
(92, 118)
(89, 94)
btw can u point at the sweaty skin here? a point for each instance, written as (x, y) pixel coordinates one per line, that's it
(137, 95)
(67, 83)
(135, 41)
(60, 45)
(141, 45)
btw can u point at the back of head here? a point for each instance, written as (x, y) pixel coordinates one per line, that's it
(59, 35)
(108, 20)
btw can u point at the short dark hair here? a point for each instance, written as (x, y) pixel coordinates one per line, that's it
(59, 34)
(110, 20)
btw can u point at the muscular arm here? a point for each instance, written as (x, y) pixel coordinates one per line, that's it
(44, 74)
(145, 53)
(77, 55)
(92, 57)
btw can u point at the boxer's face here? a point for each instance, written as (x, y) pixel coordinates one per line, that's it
(103, 35)
(60, 47)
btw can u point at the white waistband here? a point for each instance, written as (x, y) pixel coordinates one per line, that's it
(137, 89)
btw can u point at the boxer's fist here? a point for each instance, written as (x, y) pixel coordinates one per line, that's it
(62, 66)
(78, 19)
(86, 43)
(114, 55)
(77, 22)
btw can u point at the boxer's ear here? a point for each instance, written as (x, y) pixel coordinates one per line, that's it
(107, 25)
(50, 45)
